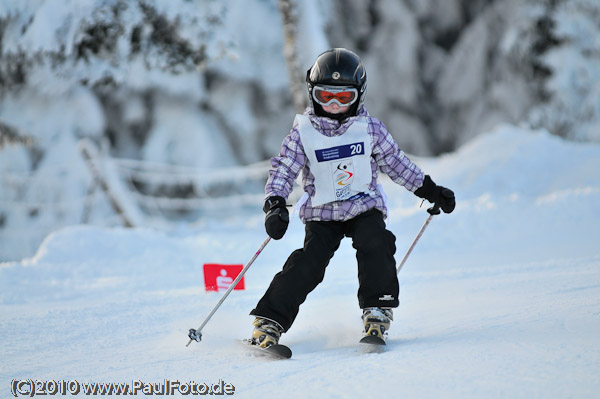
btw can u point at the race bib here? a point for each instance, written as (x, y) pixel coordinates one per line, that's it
(341, 164)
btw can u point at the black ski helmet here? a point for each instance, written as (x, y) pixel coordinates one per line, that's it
(338, 67)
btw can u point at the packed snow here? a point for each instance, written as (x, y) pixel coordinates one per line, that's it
(500, 299)
(204, 85)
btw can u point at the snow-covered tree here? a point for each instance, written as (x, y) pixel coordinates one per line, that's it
(98, 70)
(572, 106)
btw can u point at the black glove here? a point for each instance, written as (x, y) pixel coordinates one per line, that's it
(278, 217)
(442, 197)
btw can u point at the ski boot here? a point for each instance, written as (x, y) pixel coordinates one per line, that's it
(266, 332)
(377, 321)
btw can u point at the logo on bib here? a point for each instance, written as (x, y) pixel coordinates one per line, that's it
(343, 175)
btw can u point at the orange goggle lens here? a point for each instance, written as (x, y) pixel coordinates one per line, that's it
(326, 96)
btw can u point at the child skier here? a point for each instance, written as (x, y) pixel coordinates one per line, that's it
(340, 149)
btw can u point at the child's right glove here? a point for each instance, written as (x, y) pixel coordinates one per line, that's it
(438, 195)
(278, 217)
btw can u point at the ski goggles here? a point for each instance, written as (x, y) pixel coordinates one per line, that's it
(326, 95)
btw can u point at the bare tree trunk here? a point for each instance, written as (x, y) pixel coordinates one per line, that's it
(289, 17)
(114, 202)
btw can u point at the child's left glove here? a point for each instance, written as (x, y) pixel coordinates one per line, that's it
(438, 195)
(278, 217)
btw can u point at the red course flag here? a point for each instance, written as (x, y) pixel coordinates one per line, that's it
(219, 277)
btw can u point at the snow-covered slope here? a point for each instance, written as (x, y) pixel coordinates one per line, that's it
(500, 299)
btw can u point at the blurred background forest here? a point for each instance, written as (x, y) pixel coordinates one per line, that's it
(164, 114)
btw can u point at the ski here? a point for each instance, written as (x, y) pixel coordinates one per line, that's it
(372, 340)
(277, 351)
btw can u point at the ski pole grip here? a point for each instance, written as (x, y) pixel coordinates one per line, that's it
(434, 210)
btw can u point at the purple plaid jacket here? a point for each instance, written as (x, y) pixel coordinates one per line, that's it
(386, 156)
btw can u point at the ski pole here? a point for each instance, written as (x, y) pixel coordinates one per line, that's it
(195, 334)
(434, 210)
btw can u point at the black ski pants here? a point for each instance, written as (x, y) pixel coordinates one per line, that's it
(305, 267)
